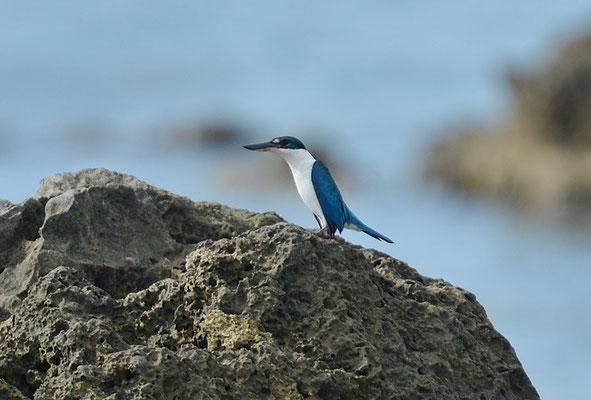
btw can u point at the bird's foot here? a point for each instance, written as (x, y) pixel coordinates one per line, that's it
(325, 233)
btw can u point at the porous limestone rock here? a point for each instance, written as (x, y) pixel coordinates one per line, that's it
(118, 290)
(120, 232)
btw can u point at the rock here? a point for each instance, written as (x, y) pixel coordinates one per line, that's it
(85, 179)
(96, 221)
(555, 101)
(9, 392)
(230, 304)
(540, 155)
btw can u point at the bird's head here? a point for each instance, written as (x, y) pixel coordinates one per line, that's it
(279, 144)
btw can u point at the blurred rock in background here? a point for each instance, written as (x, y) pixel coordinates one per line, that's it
(89, 135)
(541, 156)
(218, 133)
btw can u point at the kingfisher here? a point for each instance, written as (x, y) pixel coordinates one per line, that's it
(316, 187)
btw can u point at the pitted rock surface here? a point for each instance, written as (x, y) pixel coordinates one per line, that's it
(113, 289)
(120, 232)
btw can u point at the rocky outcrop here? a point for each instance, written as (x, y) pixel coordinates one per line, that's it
(540, 156)
(113, 289)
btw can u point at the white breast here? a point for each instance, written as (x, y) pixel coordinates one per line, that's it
(300, 162)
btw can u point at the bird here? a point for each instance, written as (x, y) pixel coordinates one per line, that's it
(316, 187)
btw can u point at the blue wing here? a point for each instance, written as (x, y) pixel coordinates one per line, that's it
(329, 197)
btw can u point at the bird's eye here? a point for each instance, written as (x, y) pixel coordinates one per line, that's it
(284, 142)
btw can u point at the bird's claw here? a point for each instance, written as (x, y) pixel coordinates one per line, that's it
(325, 233)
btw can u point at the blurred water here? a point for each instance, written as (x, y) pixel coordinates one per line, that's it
(85, 85)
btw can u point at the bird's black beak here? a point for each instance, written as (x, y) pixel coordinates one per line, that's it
(265, 146)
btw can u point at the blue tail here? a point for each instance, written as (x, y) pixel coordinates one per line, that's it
(353, 222)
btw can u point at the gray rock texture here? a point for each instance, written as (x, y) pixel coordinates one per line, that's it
(113, 289)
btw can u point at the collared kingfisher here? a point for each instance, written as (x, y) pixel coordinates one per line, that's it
(316, 188)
